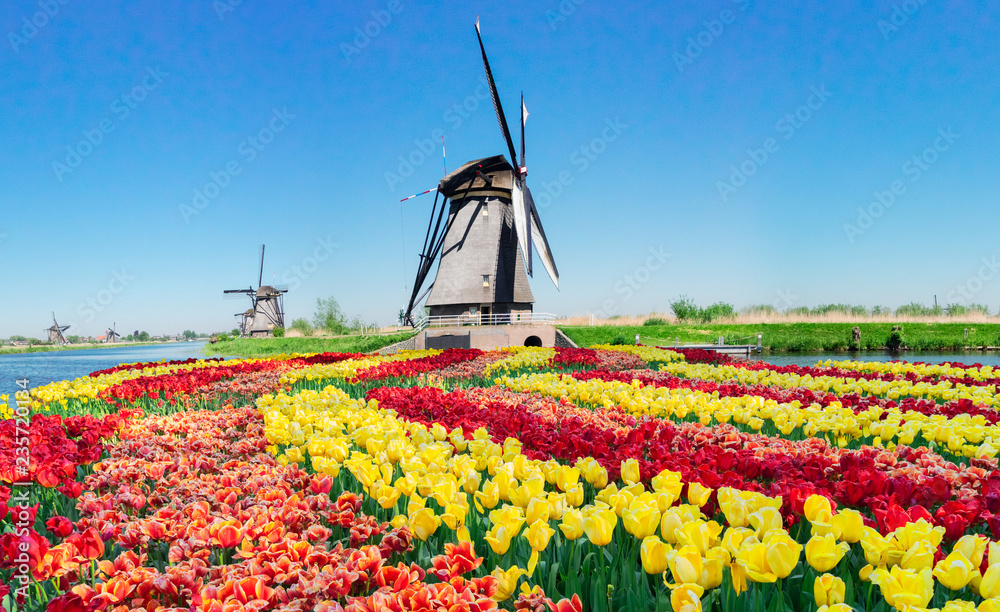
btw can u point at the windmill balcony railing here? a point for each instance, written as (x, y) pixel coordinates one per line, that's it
(522, 318)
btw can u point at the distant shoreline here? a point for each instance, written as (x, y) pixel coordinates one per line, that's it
(20, 350)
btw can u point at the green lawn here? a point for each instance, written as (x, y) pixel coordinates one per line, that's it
(799, 336)
(263, 347)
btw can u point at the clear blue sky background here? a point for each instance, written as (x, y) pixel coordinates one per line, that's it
(778, 239)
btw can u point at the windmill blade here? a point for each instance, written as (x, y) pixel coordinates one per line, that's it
(496, 103)
(541, 242)
(524, 119)
(521, 221)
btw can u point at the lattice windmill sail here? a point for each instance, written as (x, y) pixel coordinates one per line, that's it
(56, 331)
(484, 247)
(267, 307)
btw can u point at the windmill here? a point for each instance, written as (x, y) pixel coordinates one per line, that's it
(56, 331)
(266, 307)
(484, 247)
(112, 335)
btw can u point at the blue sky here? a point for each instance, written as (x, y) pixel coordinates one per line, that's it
(642, 116)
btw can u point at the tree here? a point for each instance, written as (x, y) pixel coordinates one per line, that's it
(189, 335)
(329, 316)
(235, 333)
(143, 336)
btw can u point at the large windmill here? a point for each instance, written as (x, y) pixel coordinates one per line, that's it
(483, 248)
(266, 306)
(56, 331)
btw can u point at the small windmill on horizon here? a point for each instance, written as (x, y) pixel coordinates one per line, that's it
(56, 331)
(266, 310)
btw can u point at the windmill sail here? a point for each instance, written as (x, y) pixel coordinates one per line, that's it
(541, 242)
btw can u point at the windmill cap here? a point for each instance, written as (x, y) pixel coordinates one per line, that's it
(465, 178)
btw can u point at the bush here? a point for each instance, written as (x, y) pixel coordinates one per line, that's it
(718, 310)
(303, 327)
(684, 308)
(278, 332)
(223, 338)
(881, 310)
(760, 309)
(619, 340)
(655, 321)
(916, 309)
(895, 341)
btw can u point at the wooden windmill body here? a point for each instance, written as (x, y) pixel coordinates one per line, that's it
(266, 310)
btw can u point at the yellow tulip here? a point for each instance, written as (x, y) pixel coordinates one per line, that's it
(653, 553)
(828, 590)
(765, 521)
(959, 605)
(782, 553)
(537, 534)
(875, 546)
(698, 494)
(642, 521)
(574, 496)
(537, 510)
(454, 516)
(824, 552)
(668, 482)
(489, 497)
(572, 524)
(700, 534)
(506, 582)
(711, 570)
(989, 586)
(423, 523)
(989, 605)
(499, 538)
(630, 471)
(686, 598)
(599, 526)
(847, 525)
(903, 588)
(919, 556)
(816, 504)
(685, 565)
(973, 547)
(954, 571)
(840, 607)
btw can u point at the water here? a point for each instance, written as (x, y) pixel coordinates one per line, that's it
(810, 359)
(43, 368)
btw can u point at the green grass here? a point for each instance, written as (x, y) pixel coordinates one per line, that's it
(44, 348)
(263, 347)
(801, 336)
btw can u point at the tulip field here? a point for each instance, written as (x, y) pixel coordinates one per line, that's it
(548, 480)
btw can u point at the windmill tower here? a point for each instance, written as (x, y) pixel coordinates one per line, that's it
(266, 307)
(56, 331)
(483, 248)
(112, 335)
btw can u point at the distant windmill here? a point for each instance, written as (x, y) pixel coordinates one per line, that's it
(56, 331)
(113, 336)
(266, 307)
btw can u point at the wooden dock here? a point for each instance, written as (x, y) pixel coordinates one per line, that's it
(729, 349)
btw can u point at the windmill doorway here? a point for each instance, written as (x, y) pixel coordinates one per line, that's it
(532, 341)
(484, 315)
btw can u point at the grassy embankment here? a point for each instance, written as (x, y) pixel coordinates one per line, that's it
(799, 336)
(263, 347)
(44, 348)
